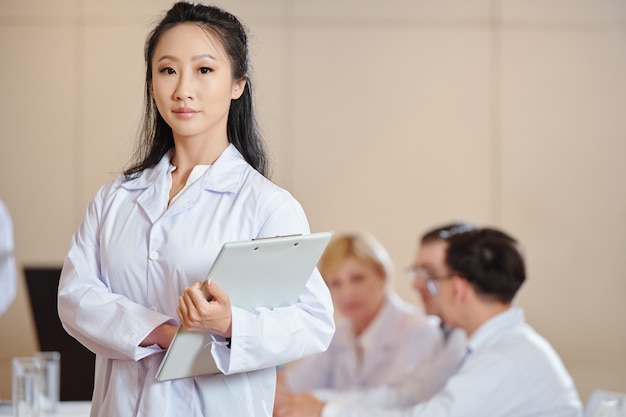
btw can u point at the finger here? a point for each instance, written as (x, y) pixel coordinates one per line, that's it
(182, 308)
(183, 311)
(194, 298)
(216, 292)
(190, 309)
(183, 319)
(204, 287)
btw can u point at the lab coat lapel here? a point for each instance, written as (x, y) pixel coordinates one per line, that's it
(150, 186)
(152, 203)
(225, 175)
(227, 172)
(378, 350)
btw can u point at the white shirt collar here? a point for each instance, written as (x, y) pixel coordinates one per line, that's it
(196, 172)
(495, 325)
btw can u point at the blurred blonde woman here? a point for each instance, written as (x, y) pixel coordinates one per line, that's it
(379, 336)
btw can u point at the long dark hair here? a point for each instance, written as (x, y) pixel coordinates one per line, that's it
(156, 137)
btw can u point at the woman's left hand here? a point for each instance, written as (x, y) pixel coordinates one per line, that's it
(289, 404)
(196, 313)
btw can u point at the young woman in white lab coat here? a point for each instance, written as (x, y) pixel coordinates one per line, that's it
(379, 336)
(133, 270)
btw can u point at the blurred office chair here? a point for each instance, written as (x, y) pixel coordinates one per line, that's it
(77, 362)
(604, 403)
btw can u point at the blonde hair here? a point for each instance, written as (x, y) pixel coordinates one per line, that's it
(362, 247)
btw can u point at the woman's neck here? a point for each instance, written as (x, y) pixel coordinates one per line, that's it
(361, 325)
(189, 152)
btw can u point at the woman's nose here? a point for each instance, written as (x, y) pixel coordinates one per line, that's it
(184, 89)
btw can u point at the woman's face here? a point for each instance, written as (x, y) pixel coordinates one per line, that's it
(357, 290)
(192, 83)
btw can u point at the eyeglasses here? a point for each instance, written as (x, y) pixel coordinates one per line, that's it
(415, 273)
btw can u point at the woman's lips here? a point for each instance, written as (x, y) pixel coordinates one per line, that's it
(185, 112)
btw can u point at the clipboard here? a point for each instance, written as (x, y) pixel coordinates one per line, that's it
(267, 272)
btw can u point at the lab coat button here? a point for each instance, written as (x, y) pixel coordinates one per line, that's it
(154, 255)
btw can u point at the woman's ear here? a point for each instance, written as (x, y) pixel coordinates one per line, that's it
(238, 88)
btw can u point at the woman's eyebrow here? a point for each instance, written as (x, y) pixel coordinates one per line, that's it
(194, 58)
(203, 56)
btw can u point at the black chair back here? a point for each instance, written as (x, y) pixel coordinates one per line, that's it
(77, 362)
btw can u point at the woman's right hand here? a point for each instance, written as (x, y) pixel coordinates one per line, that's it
(198, 314)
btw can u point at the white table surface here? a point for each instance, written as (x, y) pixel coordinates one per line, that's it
(65, 409)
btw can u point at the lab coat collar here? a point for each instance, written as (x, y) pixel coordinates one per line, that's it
(498, 324)
(225, 175)
(227, 172)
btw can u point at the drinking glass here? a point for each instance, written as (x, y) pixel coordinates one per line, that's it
(26, 379)
(50, 372)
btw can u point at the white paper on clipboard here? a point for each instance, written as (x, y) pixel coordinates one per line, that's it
(267, 272)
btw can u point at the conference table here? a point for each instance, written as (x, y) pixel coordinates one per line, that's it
(65, 409)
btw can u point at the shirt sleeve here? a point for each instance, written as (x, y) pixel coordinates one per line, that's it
(8, 272)
(310, 373)
(470, 392)
(108, 324)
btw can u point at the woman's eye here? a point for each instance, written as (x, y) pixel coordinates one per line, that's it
(167, 70)
(333, 284)
(358, 278)
(205, 70)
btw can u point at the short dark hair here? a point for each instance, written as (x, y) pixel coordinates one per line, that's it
(490, 260)
(446, 231)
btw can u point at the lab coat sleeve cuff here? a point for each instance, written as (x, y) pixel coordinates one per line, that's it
(155, 321)
(228, 353)
(220, 349)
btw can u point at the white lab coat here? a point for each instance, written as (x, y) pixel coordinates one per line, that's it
(131, 258)
(400, 338)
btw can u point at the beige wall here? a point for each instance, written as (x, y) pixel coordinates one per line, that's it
(382, 116)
